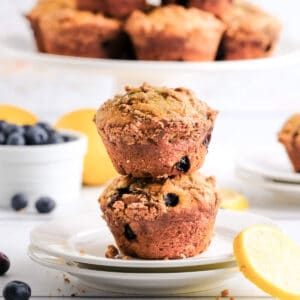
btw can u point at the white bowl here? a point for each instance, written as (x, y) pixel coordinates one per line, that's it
(46, 170)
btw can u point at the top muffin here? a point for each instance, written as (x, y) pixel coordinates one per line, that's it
(155, 131)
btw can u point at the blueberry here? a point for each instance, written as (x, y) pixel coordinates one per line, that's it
(26, 127)
(19, 202)
(5, 127)
(129, 234)
(183, 165)
(122, 191)
(45, 205)
(4, 263)
(171, 199)
(45, 126)
(15, 138)
(36, 135)
(183, 2)
(17, 290)
(12, 128)
(68, 138)
(207, 139)
(2, 138)
(55, 137)
(1, 124)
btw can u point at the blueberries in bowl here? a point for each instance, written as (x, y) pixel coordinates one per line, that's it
(4, 263)
(45, 205)
(41, 133)
(15, 138)
(36, 135)
(16, 290)
(19, 202)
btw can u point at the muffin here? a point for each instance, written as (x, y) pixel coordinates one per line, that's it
(157, 218)
(251, 33)
(42, 7)
(289, 136)
(175, 33)
(156, 131)
(79, 33)
(112, 8)
(216, 7)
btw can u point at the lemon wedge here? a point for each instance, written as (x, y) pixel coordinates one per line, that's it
(233, 200)
(16, 115)
(269, 259)
(98, 167)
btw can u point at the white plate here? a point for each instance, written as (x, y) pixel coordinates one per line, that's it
(66, 238)
(272, 163)
(286, 189)
(137, 283)
(23, 46)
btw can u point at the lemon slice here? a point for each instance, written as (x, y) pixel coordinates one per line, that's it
(16, 115)
(233, 200)
(98, 167)
(270, 259)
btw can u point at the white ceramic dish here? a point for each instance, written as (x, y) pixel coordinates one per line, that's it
(23, 46)
(47, 170)
(271, 163)
(147, 284)
(66, 238)
(284, 190)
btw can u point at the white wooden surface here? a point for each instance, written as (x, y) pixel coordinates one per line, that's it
(252, 111)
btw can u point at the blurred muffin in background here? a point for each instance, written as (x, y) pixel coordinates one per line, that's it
(216, 7)
(289, 136)
(251, 33)
(81, 33)
(175, 33)
(112, 8)
(41, 8)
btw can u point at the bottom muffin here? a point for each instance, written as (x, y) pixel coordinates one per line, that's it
(160, 218)
(289, 136)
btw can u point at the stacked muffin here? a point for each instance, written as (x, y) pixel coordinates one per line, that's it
(157, 138)
(190, 30)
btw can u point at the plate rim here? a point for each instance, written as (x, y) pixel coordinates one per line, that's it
(139, 263)
(271, 185)
(113, 66)
(283, 177)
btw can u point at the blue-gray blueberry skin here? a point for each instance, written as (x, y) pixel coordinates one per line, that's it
(41, 133)
(16, 290)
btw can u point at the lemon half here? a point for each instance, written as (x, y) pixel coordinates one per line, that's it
(98, 167)
(17, 115)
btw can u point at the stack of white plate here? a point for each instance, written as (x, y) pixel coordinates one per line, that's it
(270, 169)
(77, 246)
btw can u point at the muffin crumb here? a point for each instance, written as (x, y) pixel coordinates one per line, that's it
(225, 293)
(111, 252)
